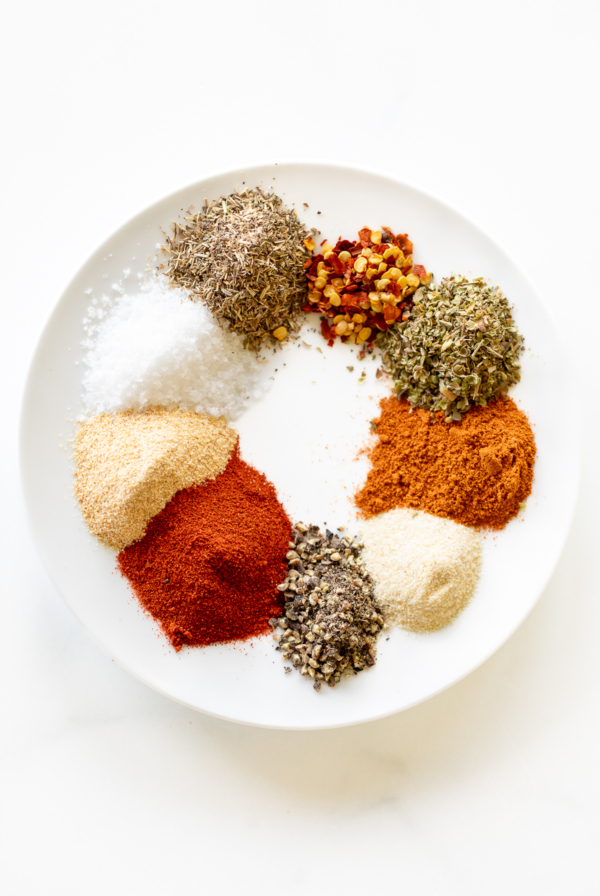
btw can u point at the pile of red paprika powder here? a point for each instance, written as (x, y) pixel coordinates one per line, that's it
(208, 567)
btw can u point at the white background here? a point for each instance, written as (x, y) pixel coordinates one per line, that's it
(491, 787)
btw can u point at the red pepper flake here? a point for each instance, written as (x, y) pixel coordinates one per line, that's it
(338, 266)
(368, 299)
(421, 273)
(390, 237)
(404, 243)
(325, 331)
(391, 313)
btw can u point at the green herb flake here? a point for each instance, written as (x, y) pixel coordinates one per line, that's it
(459, 347)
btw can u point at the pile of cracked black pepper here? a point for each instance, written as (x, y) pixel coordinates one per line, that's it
(331, 621)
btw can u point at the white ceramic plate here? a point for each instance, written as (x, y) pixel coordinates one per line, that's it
(304, 434)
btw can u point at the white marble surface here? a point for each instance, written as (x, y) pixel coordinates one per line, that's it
(491, 787)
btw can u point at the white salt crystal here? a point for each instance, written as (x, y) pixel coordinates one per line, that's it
(158, 348)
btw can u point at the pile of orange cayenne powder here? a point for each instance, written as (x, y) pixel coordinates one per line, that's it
(477, 471)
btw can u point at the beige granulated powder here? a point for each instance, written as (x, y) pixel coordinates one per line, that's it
(425, 568)
(130, 465)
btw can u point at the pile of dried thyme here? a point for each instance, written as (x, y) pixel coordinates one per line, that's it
(244, 256)
(459, 347)
(331, 620)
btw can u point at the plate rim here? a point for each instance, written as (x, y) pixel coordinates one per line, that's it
(248, 169)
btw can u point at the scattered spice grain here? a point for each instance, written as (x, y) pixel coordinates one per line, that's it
(244, 256)
(477, 471)
(129, 465)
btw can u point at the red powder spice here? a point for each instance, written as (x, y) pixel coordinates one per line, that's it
(208, 566)
(477, 471)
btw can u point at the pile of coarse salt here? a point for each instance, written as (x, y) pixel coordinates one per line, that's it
(154, 347)
(425, 568)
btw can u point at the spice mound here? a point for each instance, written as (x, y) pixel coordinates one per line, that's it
(362, 287)
(331, 620)
(129, 465)
(208, 567)
(478, 471)
(459, 347)
(425, 568)
(154, 347)
(243, 255)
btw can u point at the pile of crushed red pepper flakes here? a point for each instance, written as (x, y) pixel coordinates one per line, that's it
(362, 288)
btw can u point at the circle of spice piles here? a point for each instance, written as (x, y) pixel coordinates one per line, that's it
(363, 287)
(459, 347)
(244, 256)
(478, 471)
(208, 566)
(331, 620)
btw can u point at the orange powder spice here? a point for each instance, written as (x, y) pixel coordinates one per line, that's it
(476, 471)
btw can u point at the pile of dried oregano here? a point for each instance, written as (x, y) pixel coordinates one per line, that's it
(331, 620)
(459, 347)
(243, 255)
